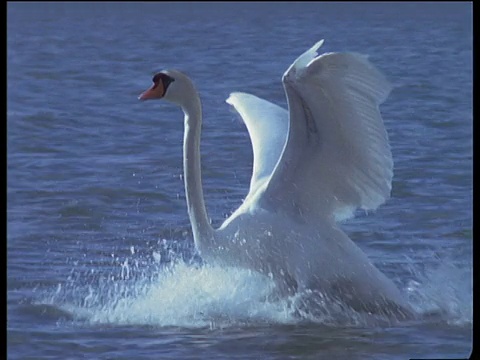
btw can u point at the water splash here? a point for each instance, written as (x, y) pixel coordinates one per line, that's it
(180, 295)
(167, 288)
(444, 290)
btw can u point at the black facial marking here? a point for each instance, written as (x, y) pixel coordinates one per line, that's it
(164, 78)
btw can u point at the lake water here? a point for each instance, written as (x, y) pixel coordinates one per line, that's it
(100, 256)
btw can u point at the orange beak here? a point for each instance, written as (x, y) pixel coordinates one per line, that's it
(155, 92)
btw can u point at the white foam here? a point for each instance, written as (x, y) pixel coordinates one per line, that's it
(185, 295)
(210, 296)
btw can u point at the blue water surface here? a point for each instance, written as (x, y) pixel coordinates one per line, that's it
(100, 256)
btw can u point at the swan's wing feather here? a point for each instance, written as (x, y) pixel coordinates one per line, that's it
(267, 125)
(337, 157)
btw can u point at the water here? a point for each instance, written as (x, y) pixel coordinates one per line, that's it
(100, 260)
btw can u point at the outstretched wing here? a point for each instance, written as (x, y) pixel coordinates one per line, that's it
(267, 125)
(337, 157)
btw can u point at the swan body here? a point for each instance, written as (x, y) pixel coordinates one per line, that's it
(314, 164)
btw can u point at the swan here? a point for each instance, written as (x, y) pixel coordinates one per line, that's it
(313, 166)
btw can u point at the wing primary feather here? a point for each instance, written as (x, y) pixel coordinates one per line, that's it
(333, 98)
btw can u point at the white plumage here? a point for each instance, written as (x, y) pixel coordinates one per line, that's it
(313, 165)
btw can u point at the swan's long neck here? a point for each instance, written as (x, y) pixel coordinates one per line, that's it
(202, 230)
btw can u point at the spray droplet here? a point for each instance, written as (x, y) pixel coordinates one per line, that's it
(157, 256)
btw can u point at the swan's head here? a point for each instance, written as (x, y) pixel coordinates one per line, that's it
(170, 85)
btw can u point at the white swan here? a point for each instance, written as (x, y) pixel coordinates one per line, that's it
(313, 165)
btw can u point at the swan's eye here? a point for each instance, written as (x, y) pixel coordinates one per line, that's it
(156, 80)
(164, 78)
